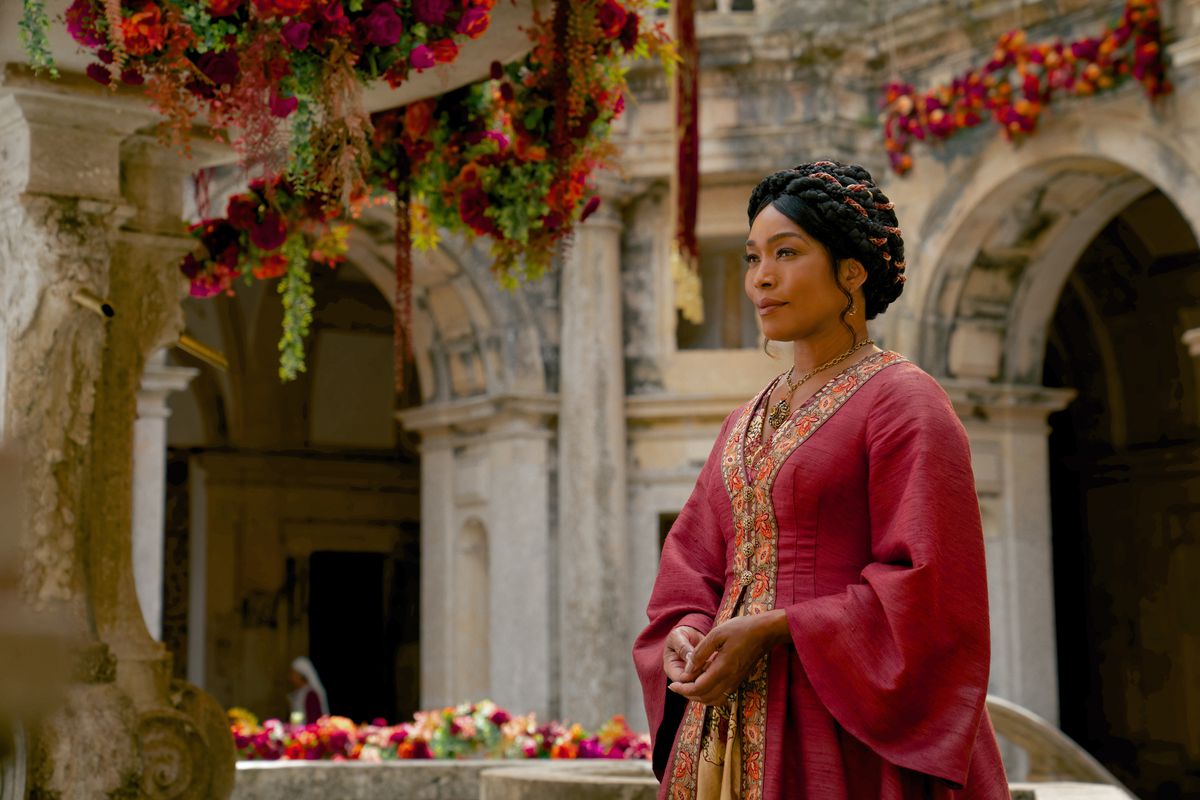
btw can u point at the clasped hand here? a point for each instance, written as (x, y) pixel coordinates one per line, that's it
(707, 669)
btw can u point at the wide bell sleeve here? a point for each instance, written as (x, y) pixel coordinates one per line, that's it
(900, 659)
(687, 591)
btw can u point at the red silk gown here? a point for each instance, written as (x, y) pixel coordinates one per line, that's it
(860, 519)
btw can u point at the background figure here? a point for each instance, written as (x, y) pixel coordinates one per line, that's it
(308, 695)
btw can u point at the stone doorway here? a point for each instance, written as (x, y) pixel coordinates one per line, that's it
(296, 509)
(361, 625)
(1124, 477)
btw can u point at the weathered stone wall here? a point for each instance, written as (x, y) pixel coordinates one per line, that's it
(84, 202)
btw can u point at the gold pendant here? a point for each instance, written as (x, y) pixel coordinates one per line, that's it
(779, 413)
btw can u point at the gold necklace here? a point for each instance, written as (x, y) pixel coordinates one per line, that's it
(783, 408)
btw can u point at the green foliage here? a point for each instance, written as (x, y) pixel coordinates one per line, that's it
(296, 292)
(211, 32)
(34, 26)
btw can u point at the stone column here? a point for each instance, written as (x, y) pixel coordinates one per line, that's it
(87, 211)
(159, 380)
(486, 469)
(1008, 432)
(593, 647)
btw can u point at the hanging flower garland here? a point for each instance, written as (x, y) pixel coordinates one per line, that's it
(509, 158)
(287, 74)
(1022, 79)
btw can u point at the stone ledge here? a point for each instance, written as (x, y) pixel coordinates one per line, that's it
(513, 780)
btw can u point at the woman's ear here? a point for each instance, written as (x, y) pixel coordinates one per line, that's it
(852, 273)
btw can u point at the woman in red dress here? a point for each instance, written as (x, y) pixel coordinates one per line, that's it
(819, 624)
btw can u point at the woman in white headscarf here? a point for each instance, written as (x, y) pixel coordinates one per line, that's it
(308, 696)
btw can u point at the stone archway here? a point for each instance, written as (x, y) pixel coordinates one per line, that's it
(995, 245)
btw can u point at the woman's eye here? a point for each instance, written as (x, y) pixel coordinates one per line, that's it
(784, 251)
(750, 258)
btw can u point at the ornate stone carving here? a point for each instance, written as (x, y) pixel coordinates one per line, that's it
(175, 762)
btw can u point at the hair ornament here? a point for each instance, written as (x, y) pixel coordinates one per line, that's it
(856, 187)
(878, 241)
(850, 201)
(825, 176)
(885, 206)
(891, 230)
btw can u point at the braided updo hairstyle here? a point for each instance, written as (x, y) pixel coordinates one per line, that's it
(840, 206)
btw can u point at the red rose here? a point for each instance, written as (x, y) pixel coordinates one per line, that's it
(144, 32)
(223, 8)
(242, 211)
(431, 12)
(444, 50)
(474, 22)
(220, 68)
(283, 107)
(611, 17)
(99, 73)
(592, 204)
(383, 26)
(270, 233)
(472, 205)
(296, 34)
(629, 31)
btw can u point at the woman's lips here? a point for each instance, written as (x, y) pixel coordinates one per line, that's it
(769, 306)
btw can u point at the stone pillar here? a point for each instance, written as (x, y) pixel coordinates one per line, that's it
(593, 647)
(1008, 432)
(88, 210)
(486, 484)
(149, 482)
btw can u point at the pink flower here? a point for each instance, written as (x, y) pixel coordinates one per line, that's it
(474, 22)
(383, 26)
(269, 234)
(81, 23)
(296, 34)
(421, 57)
(431, 12)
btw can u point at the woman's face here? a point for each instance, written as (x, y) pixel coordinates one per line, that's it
(296, 679)
(790, 280)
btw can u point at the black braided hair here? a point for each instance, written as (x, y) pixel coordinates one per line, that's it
(840, 206)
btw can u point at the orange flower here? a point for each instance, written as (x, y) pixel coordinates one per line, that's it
(469, 174)
(272, 266)
(144, 32)
(418, 119)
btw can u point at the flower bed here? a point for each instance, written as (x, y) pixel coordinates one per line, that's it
(469, 731)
